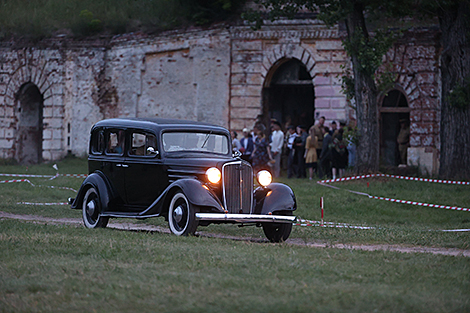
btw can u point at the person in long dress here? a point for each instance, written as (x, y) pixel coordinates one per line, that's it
(311, 156)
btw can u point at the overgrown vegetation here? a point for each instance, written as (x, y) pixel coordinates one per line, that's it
(42, 18)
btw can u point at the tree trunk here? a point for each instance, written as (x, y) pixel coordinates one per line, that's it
(367, 155)
(455, 71)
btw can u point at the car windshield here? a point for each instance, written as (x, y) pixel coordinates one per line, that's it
(195, 142)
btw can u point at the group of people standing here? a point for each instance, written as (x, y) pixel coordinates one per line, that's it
(334, 149)
(262, 152)
(321, 150)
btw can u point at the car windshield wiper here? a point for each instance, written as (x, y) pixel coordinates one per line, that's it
(207, 138)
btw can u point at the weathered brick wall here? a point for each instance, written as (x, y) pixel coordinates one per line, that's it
(414, 61)
(254, 58)
(44, 68)
(82, 84)
(65, 76)
(182, 76)
(214, 75)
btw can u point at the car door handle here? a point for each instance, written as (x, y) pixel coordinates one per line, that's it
(122, 165)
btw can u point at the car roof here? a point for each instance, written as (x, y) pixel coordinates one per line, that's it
(157, 124)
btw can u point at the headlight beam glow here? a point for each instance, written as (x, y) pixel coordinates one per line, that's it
(214, 175)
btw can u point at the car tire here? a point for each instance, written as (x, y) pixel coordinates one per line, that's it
(277, 232)
(91, 209)
(182, 215)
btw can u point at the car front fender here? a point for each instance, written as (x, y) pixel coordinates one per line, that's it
(197, 194)
(274, 198)
(194, 191)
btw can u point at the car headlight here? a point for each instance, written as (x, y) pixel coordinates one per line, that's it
(264, 178)
(213, 175)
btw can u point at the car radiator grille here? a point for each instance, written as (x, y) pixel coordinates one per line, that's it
(238, 187)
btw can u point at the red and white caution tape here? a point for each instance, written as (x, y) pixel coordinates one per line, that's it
(441, 181)
(302, 222)
(15, 181)
(448, 207)
(26, 175)
(45, 176)
(45, 203)
(75, 175)
(29, 182)
(70, 175)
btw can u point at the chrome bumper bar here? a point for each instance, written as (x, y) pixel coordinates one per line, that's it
(244, 218)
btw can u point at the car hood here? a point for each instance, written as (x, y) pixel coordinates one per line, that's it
(198, 160)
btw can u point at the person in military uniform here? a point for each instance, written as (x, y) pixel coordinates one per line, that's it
(403, 140)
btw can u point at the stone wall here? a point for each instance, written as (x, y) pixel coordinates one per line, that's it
(414, 62)
(44, 68)
(255, 56)
(215, 75)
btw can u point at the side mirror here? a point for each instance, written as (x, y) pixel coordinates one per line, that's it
(237, 154)
(151, 151)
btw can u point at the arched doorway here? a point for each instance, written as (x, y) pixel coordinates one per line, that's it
(394, 110)
(29, 128)
(288, 94)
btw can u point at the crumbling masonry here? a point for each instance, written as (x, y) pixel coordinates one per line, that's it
(52, 92)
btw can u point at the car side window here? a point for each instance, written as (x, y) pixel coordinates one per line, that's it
(116, 141)
(97, 142)
(143, 144)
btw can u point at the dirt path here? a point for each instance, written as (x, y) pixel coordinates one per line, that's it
(293, 241)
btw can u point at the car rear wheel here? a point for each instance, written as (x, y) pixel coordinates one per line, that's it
(91, 209)
(277, 232)
(182, 216)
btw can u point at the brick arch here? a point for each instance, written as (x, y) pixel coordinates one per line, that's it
(276, 55)
(29, 73)
(280, 106)
(45, 70)
(398, 87)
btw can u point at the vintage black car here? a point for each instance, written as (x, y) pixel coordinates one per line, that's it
(182, 170)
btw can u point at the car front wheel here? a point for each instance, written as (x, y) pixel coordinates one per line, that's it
(277, 232)
(91, 208)
(182, 216)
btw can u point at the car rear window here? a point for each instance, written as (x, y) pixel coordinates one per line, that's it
(97, 142)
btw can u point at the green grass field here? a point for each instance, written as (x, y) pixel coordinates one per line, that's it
(55, 268)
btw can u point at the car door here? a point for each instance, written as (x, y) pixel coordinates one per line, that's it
(145, 173)
(113, 165)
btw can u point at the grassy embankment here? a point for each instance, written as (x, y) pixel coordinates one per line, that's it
(79, 18)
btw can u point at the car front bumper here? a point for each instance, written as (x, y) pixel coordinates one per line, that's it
(244, 218)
